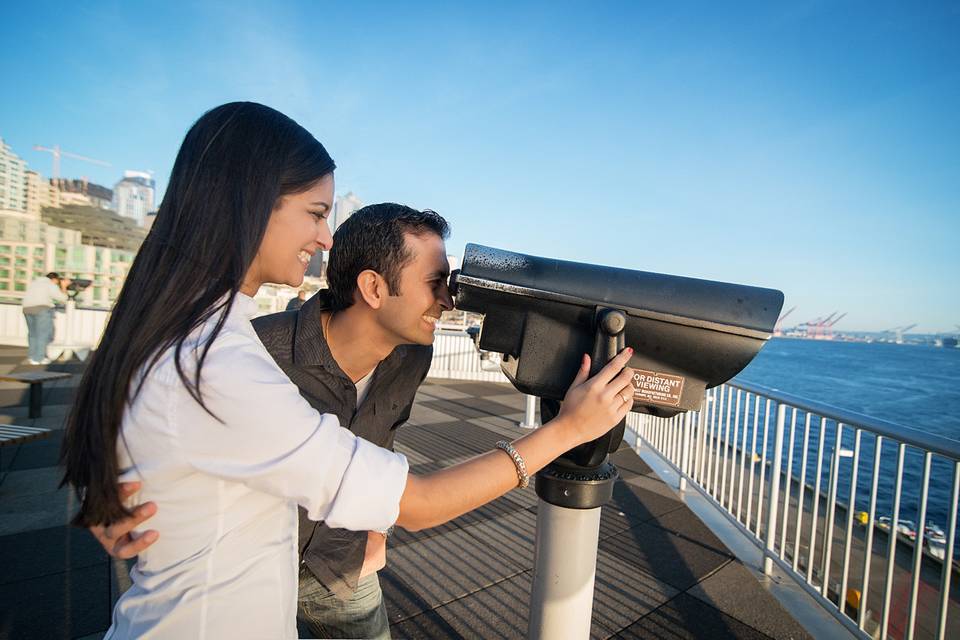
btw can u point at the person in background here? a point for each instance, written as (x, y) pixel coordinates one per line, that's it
(296, 303)
(41, 298)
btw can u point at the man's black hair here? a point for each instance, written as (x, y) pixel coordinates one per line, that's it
(373, 238)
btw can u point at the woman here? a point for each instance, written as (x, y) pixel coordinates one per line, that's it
(183, 397)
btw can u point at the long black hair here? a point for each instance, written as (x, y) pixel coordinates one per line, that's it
(235, 164)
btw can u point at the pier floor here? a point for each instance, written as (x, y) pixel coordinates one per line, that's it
(661, 573)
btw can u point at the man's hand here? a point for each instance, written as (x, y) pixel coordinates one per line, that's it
(116, 539)
(375, 555)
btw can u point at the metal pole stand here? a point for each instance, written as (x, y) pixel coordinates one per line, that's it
(565, 558)
(572, 489)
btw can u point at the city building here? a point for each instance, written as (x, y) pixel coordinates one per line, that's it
(30, 248)
(82, 192)
(271, 298)
(100, 227)
(343, 208)
(48, 193)
(13, 180)
(133, 196)
(66, 226)
(34, 185)
(149, 220)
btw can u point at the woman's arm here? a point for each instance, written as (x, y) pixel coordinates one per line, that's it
(590, 409)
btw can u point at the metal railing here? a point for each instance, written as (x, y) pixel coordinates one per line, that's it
(455, 356)
(74, 328)
(823, 494)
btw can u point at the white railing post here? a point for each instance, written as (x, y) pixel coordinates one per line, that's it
(530, 416)
(685, 452)
(770, 535)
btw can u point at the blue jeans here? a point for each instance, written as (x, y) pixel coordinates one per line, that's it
(320, 614)
(39, 333)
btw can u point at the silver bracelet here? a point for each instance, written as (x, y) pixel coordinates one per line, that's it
(523, 480)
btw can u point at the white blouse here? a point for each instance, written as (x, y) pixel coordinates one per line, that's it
(225, 565)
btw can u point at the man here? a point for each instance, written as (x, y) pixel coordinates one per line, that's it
(295, 303)
(359, 350)
(39, 301)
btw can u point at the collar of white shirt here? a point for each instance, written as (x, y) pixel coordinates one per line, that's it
(244, 307)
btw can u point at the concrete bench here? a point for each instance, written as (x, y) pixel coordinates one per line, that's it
(35, 379)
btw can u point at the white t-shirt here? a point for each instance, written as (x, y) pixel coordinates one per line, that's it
(225, 565)
(363, 385)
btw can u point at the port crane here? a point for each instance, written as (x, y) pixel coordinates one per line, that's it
(817, 330)
(778, 327)
(828, 327)
(57, 152)
(899, 331)
(807, 331)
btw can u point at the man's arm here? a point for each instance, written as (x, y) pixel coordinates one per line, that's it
(116, 539)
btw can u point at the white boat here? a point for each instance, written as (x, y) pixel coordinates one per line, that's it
(935, 540)
(906, 528)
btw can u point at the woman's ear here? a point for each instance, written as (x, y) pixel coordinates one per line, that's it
(372, 288)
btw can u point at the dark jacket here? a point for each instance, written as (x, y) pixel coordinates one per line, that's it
(295, 340)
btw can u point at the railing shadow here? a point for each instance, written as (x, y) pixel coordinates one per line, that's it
(670, 566)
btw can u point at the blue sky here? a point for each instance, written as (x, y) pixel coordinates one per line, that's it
(807, 146)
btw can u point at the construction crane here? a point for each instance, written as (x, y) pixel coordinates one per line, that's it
(56, 151)
(839, 318)
(827, 328)
(819, 328)
(778, 327)
(899, 331)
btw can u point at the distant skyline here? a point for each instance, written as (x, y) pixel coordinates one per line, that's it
(810, 147)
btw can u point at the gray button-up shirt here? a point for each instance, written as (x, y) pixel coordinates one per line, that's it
(295, 340)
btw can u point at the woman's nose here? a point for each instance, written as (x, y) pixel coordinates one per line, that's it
(324, 237)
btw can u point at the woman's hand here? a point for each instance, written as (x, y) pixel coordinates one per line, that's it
(116, 539)
(590, 409)
(594, 406)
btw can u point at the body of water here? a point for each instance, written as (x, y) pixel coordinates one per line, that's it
(912, 385)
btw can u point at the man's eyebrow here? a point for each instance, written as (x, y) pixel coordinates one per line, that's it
(439, 273)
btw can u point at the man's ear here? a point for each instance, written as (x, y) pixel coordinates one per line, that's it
(372, 288)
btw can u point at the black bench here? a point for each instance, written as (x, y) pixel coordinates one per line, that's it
(35, 379)
(15, 434)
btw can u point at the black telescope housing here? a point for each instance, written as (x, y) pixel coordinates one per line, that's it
(76, 286)
(542, 314)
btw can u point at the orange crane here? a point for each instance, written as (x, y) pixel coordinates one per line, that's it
(808, 324)
(819, 329)
(828, 327)
(56, 151)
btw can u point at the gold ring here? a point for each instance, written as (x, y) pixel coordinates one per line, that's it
(625, 400)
